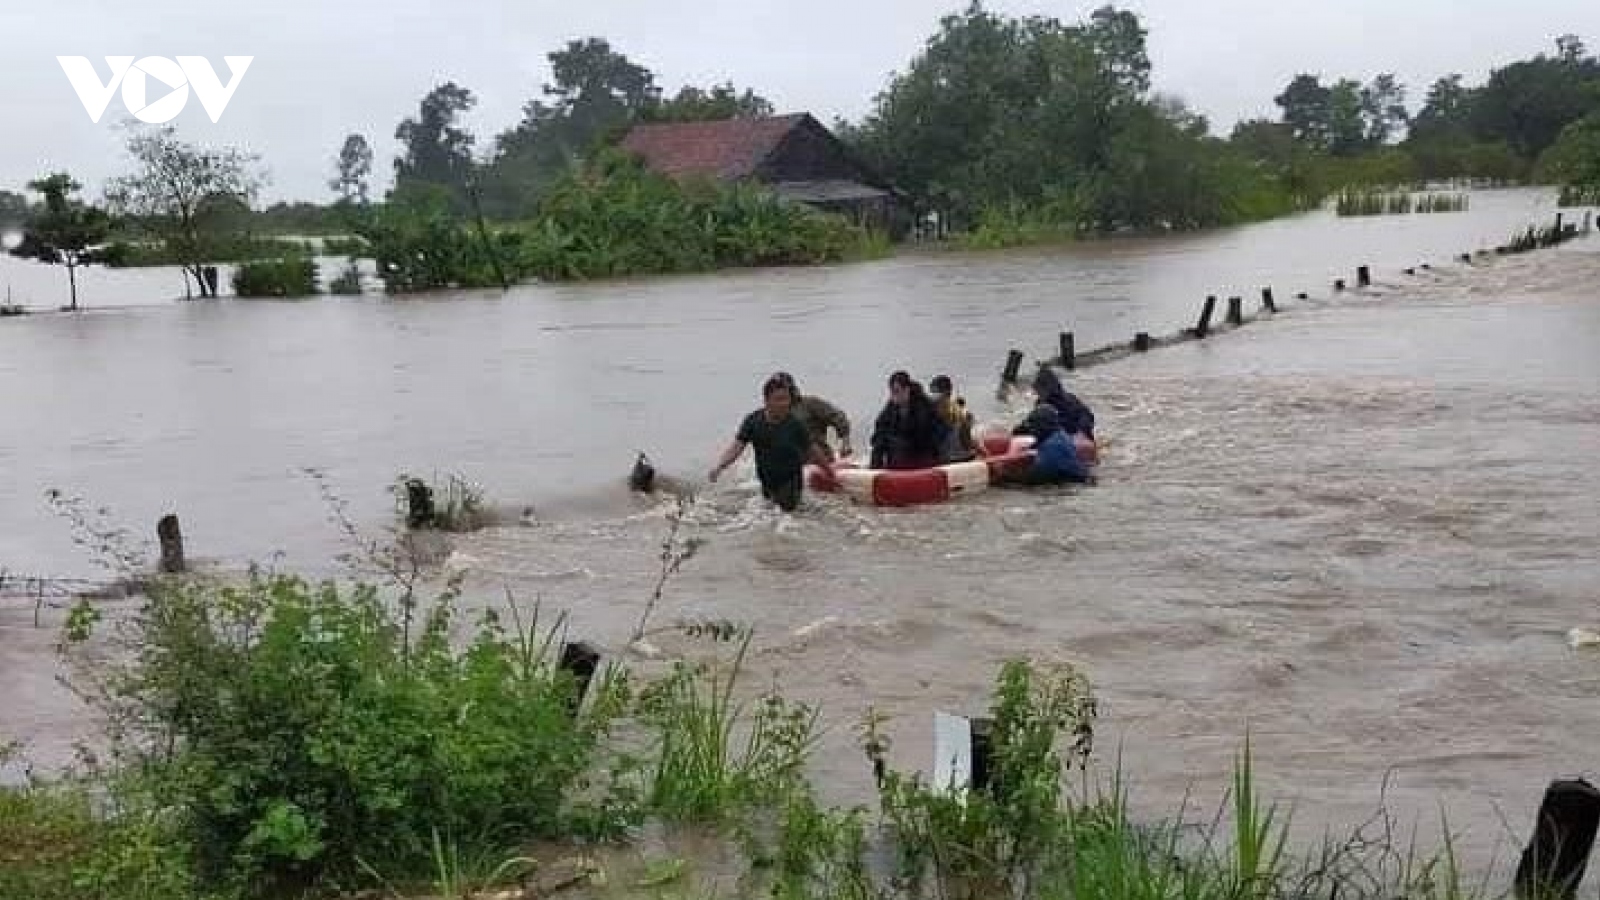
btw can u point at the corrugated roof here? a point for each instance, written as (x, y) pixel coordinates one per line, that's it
(728, 150)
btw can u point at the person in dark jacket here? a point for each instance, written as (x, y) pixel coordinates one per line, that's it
(1055, 458)
(908, 433)
(1076, 417)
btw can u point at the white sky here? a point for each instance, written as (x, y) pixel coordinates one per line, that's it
(323, 69)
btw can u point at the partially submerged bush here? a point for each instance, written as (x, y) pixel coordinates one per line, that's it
(306, 730)
(348, 283)
(288, 277)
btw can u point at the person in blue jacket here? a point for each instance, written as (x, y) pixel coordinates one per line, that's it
(1076, 417)
(1055, 455)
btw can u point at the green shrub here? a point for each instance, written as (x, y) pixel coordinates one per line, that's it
(310, 734)
(289, 277)
(348, 283)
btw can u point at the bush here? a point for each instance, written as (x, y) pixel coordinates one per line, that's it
(289, 277)
(348, 283)
(310, 733)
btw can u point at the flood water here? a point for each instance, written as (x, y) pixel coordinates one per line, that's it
(1360, 530)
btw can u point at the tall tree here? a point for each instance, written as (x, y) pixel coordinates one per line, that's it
(595, 91)
(1307, 110)
(13, 209)
(178, 192)
(65, 231)
(1383, 105)
(723, 101)
(1446, 111)
(1574, 159)
(437, 152)
(1528, 103)
(354, 170)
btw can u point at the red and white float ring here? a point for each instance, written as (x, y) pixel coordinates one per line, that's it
(1003, 455)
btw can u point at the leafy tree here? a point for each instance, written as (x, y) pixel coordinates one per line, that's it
(14, 209)
(182, 193)
(354, 170)
(595, 92)
(1528, 103)
(1383, 105)
(1574, 159)
(65, 231)
(436, 151)
(1307, 110)
(723, 101)
(1446, 111)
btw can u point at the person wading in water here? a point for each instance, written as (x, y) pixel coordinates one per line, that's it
(782, 445)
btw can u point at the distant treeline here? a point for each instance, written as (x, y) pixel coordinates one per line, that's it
(1000, 130)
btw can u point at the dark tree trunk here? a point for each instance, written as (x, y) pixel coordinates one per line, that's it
(72, 281)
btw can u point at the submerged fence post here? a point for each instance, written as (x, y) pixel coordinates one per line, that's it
(1013, 367)
(171, 538)
(1554, 861)
(1204, 326)
(419, 503)
(1069, 354)
(1267, 303)
(1338, 284)
(1236, 311)
(1363, 277)
(581, 660)
(1141, 342)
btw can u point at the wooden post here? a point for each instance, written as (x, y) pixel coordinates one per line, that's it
(581, 660)
(171, 538)
(1141, 342)
(1363, 277)
(1204, 326)
(419, 503)
(1338, 284)
(1069, 355)
(1267, 303)
(1409, 271)
(1553, 863)
(1013, 367)
(1558, 226)
(1588, 221)
(1235, 311)
(1302, 296)
(1465, 257)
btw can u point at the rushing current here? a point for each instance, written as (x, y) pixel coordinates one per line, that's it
(1360, 530)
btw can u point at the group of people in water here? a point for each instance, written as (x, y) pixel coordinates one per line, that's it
(916, 429)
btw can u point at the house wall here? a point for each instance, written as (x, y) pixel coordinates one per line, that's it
(811, 154)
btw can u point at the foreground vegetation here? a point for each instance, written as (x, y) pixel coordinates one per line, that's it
(273, 738)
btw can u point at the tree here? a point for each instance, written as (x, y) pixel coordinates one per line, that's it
(436, 151)
(597, 91)
(177, 192)
(1383, 106)
(1574, 159)
(65, 231)
(723, 101)
(354, 168)
(1307, 110)
(1528, 103)
(13, 209)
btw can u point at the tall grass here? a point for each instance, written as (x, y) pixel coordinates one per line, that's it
(1365, 202)
(707, 770)
(1579, 195)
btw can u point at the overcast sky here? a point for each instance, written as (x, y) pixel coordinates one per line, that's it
(323, 69)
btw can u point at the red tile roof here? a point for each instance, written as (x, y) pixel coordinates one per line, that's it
(728, 150)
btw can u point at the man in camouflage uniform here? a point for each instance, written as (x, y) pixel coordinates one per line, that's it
(818, 415)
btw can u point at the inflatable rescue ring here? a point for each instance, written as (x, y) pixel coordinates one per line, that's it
(1003, 455)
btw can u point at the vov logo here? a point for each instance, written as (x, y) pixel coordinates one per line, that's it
(172, 82)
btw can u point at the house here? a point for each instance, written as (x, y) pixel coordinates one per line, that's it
(794, 155)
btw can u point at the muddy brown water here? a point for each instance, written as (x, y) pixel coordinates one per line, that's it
(1360, 530)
